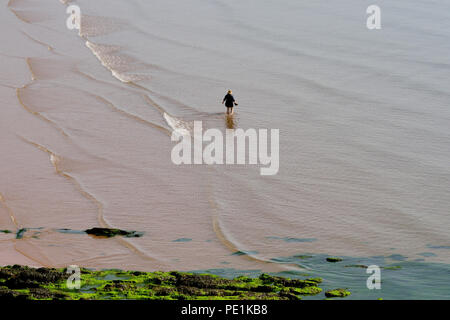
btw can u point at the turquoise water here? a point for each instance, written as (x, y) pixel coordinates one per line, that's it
(400, 279)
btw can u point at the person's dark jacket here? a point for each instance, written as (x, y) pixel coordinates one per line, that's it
(229, 100)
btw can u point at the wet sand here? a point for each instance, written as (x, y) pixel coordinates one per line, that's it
(87, 117)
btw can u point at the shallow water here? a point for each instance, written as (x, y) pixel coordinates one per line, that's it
(400, 279)
(363, 118)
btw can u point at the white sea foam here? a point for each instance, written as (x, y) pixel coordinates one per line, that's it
(178, 125)
(114, 63)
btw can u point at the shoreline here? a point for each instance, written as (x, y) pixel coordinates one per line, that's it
(27, 283)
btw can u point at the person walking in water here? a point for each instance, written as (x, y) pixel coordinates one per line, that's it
(229, 102)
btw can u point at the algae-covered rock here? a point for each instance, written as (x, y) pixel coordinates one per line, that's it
(18, 276)
(334, 259)
(311, 290)
(108, 233)
(362, 266)
(289, 282)
(21, 282)
(337, 293)
(7, 294)
(20, 233)
(18, 282)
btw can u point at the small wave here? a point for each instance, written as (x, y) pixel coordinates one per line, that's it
(37, 113)
(49, 47)
(182, 127)
(107, 59)
(57, 162)
(9, 210)
(235, 248)
(119, 65)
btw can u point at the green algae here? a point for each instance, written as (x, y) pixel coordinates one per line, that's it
(337, 293)
(392, 268)
(334, 259)
(20, 282)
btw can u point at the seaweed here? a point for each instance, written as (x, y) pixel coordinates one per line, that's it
(21, 282)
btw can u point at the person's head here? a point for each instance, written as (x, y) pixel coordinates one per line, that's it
(230, 92)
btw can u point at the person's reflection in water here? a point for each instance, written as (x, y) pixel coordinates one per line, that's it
(230, 122)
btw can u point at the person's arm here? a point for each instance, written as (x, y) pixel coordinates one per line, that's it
(224, 99)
